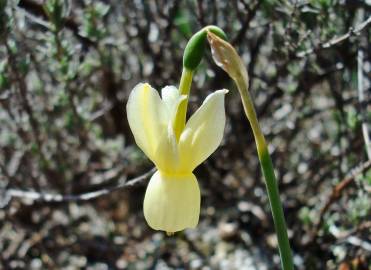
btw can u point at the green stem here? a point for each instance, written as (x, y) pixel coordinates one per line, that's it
(184, 89)
(270, 178)
(185, 81)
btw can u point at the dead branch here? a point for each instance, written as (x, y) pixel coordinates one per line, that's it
(37, 10)
(353, 31)
(53, 198)
(361, 99)
(337, 191)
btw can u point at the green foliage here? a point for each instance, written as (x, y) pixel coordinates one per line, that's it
(359, 207)
(4, 81)
(182, 22)
(268, 7)
(92, 20)
(322, 4)
(55, 12)
(353, 120)
(307, 216)
(367, 178)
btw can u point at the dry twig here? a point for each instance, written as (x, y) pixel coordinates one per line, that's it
(352, 32)
(337, 191)
(53, 198)
(361, 99)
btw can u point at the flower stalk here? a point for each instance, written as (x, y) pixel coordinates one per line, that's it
(192, 57)
(227, 58)
(184, 89)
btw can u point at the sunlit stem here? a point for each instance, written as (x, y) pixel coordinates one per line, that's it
(270, 178)
(184, 89)
(227, 58)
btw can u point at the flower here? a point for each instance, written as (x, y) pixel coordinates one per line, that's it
(172, 199)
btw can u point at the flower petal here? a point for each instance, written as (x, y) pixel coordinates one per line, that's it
(166, 156)
(203, 131)
(172, 204)
(172, 98)
(148, 118)
(170, 95)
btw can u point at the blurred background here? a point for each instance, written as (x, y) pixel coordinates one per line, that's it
(66, 152)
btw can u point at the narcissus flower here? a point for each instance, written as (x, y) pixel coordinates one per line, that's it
(172, 199)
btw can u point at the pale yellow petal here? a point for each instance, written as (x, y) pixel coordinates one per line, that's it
(148, 118)
(166, 156)
(172, 98)
(172, 204)
(203, 132)
(170, 95)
